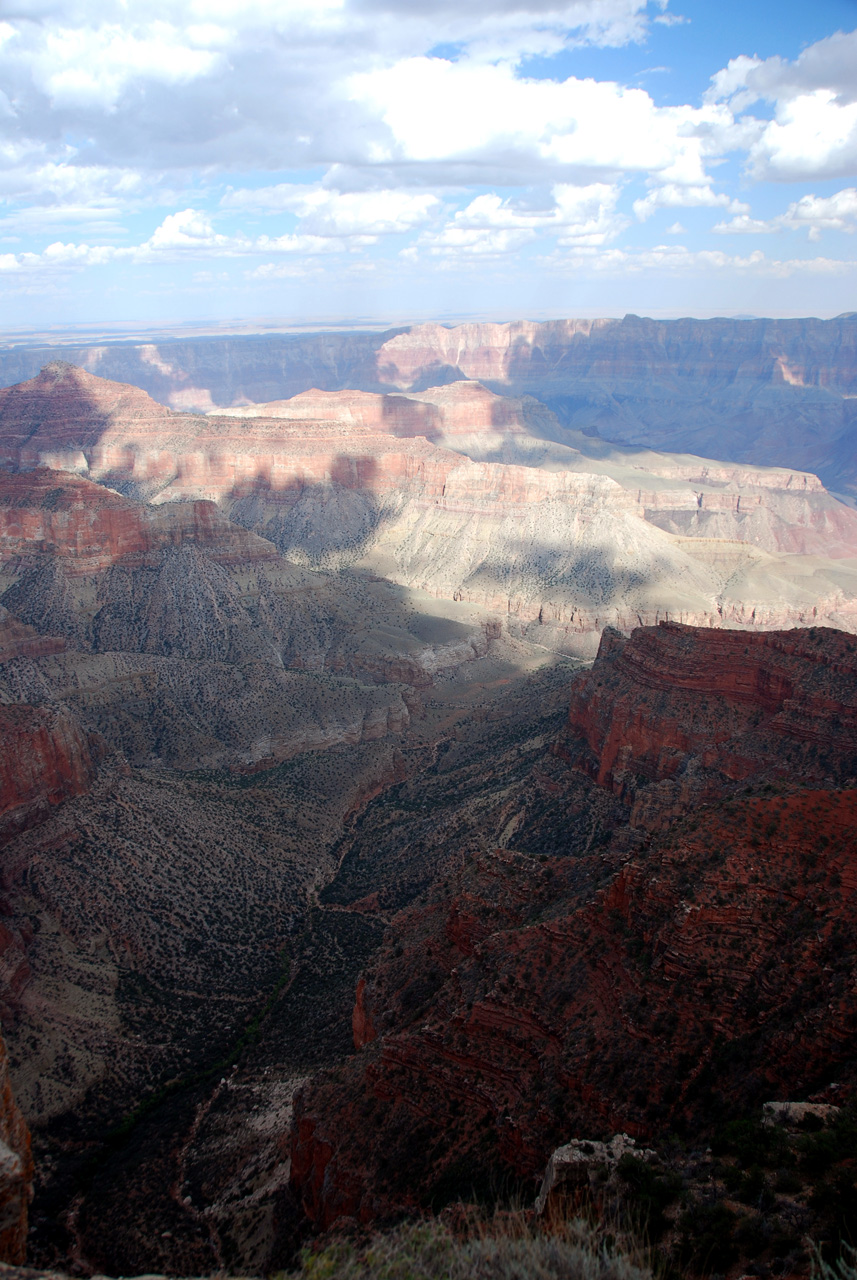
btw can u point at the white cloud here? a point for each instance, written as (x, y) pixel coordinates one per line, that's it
(90, 67)
(692, 196)
(490, 225)
(113, 108)
(824, 213)
(189, 229)
(188, 233)
(327, 212)
(677, 259)
(810, 213)
(814, 130)
(435, 109)
(183, 86)
(745, 225)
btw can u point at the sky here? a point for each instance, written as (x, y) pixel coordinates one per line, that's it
(385, 161)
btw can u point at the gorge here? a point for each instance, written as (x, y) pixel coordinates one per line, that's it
(410, 766)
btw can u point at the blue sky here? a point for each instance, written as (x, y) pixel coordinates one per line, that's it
(381, 160)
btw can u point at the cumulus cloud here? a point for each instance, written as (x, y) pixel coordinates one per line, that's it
(814, 130)
(435, 109)
(327, 212)
(425, 120)
(584, 215)
(261, 82)
(188, 233)
(692, 196)
(810, 213)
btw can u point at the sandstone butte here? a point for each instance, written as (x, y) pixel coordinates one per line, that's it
(556, 541)
(513, 1007)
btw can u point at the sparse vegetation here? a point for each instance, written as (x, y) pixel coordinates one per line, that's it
(504, 1250)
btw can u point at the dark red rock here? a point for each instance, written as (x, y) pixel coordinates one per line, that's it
(714, 971)
(704, 707)
(56, 515)
(44, 759)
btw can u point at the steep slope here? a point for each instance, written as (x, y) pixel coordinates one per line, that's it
(518, 1004)
(771, 392)
(187, 724)
(46, 759)
(103, 596)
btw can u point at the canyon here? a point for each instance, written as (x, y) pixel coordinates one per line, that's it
(468, 497)
(758, 391)
(324, 839)
(665, 973)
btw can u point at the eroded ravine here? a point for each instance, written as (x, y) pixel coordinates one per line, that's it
(199, 1181)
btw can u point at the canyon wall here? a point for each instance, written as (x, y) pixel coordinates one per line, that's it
(16, 1172)
(554, 541)
(776, 392)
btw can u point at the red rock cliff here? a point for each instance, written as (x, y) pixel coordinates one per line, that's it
(732, 704)
(49, 514)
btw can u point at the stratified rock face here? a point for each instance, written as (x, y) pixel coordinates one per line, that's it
(774, 392)
(714, 707)
(89, 528)
(20, 641)
(171, 629)
(513, 1008)
(556, 540)
(52, 418)
(16, 1172)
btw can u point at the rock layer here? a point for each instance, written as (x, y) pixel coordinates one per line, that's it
(16, 1172)
(45, 760)
(669, 704)
(555, 540)
(772, 392)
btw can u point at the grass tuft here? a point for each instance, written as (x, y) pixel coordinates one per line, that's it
(510, 1251)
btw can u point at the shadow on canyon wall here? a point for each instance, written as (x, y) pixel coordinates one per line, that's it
(311, 521)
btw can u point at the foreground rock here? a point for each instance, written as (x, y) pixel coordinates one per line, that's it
(16, 1171)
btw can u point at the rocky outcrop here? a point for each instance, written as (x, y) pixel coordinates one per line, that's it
(775, 509)
(514, 1005)
(55, 515)
(558, 550)
(577, 1171)
(706, 709)
(20, 641)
